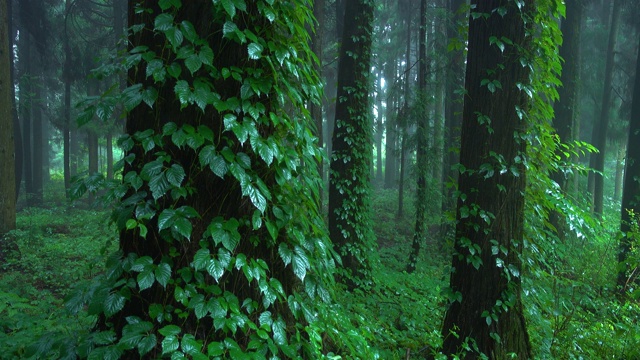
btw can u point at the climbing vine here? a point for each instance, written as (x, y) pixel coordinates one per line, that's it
(223, 251)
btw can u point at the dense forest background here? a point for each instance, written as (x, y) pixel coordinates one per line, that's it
(393, 179)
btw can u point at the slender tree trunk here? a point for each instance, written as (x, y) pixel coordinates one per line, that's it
(403, 115)
(631, 188)
(38, 142)
(67, 103)
(622, 150)
(26, 99)
(490, 212)
(349, 184)
(421, 151)
(603, 123)
(92, 146)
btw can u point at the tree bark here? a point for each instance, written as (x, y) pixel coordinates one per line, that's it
(38, 141)
(485, 280)
(349, 183)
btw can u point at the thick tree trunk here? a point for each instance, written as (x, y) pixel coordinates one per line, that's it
(349, 181)
(218, 198)
(486, 267)
(605, 106)
(631, 188)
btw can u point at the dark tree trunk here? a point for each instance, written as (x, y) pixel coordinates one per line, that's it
(605, 106)
(7, 150)
(631, 188)
(490, 212)
(92, 147)
(422, 146)
(349, 182)
(566, 107)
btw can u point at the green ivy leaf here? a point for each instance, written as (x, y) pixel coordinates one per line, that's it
(163, 22)
(146, 344)
(279, 335)
(300, 263)
(170, 330)
(145, 279)
(193, 63)
(113, 303)
(229, 8)
(188, 30)
(175, 175)
(215, 349)
(201, 259)
(255, 51)
(183, 92)
(170, 344)
(182, 226)
(286, 254)
(165, 219)
(163, 274)
(258, 200)
(215, 269)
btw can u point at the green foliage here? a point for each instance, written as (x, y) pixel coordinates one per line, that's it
(56, 253)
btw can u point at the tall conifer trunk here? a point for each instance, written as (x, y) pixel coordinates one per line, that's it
(349, 183)
(485, 279)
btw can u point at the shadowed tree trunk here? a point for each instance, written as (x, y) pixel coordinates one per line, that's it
(38, 141)
(485, 278)
(349, 183)
(7, 150)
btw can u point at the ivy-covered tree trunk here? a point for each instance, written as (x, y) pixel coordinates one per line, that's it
(566, 108)
(349, 185)
(631, 188)
(485, 312)
(219, 225)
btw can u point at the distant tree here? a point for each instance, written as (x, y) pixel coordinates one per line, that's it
(349, 185)
(219, 224)
(485, 314)
(600, 131)
(422, 146)
(631, 188)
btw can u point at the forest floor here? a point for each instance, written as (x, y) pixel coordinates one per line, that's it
(571, 309)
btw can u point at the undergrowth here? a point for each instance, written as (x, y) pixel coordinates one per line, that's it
(573, 311)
